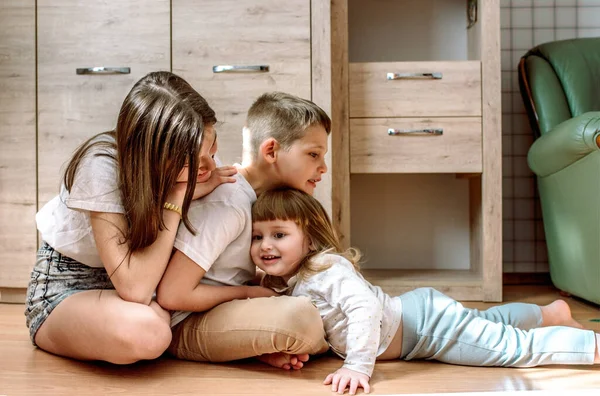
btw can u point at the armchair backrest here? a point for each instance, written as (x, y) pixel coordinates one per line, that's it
(560, 80)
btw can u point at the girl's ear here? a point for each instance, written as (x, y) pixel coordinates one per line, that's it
(269, 149)
(311, 245)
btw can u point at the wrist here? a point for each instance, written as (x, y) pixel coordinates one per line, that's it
(174, 208)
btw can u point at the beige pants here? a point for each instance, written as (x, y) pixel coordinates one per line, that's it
(241, 329)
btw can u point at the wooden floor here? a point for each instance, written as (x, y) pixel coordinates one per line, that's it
(25, 370)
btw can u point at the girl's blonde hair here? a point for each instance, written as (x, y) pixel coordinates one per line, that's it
(160, 128)
(308, 213)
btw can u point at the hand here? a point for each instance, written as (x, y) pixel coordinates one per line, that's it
(219, 176)
(344, 377)
(259, 291)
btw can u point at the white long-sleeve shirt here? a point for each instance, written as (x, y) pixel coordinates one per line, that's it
(360, 320)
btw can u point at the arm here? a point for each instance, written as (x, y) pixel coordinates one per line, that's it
(217, 224)
(180, 288)
(136, 275)
(343, 288)
(567, 143)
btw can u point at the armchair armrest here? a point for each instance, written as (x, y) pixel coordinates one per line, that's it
(565, 144)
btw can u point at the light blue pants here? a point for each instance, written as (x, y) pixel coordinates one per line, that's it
(439, 328)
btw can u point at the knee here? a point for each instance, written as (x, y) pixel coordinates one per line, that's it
(304, 318)
(145, 337)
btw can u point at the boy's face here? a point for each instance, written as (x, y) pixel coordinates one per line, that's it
(302, 165)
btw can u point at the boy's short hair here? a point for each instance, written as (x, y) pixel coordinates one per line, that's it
(283, 117)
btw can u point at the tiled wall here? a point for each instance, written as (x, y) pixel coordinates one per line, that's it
(526, 23)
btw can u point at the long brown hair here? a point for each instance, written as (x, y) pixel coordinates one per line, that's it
(160, 128)
(308, 214)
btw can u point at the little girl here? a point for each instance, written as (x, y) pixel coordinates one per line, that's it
(294, 243)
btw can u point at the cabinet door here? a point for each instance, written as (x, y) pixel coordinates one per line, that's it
(76, 34)
(251, 34)
(17, 142)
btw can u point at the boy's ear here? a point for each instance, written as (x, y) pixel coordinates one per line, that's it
(269, 150)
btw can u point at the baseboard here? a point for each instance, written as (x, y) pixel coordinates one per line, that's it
(526, 278)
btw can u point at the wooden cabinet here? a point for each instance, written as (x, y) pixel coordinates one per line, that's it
(129, 37)
(417, 157)
(18, 238)
(414, 163)
(233, 51)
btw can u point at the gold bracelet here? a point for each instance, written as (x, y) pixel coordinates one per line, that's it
(173, 207)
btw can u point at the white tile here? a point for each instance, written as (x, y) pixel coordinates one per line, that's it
(508, 209)
(563, 3)
(521, 145)
(515, 80)
(517, 54)
(521, 3)
(506, 60)
(505, 21)
(588, 17)
(541, 36)
(566, 34)
(508, 233)
(508, 187)
(507, 266)
(507, 84)
(508, 252)
(542, 266)
(566, 17)
(524, 229)
(543, 17)
(507, 103)
(590, 3)
(521, 168)
(524, 210)
(521, 17)
(517, 104)
(523, 187)
(524, 266)
(521, 124)
(588, 33)
(505, 3)
(507, 166)
(506, 124)
(507, 145)
(541, 251)
(524, 251)
(543, 3)
(522, 39)
(505, 41)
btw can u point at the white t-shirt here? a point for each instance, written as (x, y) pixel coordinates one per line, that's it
(64, 221)
(360, 320)
(221, 246)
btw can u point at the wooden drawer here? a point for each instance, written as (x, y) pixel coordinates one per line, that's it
(456, 150)
(456, 93)
(208, 33)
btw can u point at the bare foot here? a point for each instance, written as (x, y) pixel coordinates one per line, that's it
(558, 313)
(284, 360)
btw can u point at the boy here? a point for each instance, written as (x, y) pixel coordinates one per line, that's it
(207, 279)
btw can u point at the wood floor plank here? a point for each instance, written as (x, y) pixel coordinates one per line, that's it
(25, 370)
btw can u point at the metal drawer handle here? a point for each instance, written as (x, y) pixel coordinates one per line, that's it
(399, 76)
(103, 70)
(240, 69)
(426, 131)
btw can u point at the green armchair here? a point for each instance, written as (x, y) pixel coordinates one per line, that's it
(560, 86)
